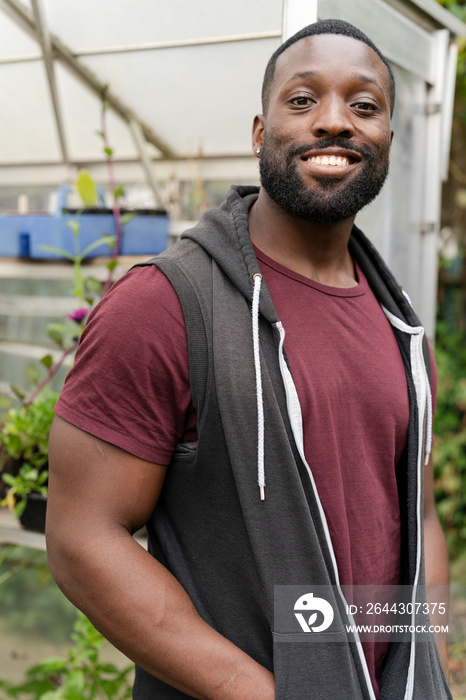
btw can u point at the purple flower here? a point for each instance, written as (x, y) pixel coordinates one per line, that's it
(78, 316)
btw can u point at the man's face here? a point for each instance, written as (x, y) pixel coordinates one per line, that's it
(325, 139)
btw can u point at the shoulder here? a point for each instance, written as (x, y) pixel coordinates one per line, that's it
(143, 282)
(141, 307)
(137, 295)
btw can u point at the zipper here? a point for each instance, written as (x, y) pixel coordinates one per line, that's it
(295, 416)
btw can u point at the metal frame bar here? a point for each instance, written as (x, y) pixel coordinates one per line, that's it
(432, 189)
(441, 15)
(44, 38)
(25, 19)
(182, 43)
(154, 46)
(25, 58)
(141, 148)
(448, 108)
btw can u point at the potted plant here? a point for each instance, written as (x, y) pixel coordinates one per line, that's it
(24, 435)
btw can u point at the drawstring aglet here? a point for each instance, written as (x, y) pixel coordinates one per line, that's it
(262, 491)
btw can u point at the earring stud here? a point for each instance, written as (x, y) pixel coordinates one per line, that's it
(258, 150)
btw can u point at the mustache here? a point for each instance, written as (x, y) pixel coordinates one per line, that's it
(329, 142)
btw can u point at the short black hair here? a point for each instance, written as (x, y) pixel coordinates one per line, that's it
(325, 26)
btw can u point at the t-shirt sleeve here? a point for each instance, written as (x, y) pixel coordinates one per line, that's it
(130, 381)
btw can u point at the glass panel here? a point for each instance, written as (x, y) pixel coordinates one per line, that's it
(89, 24)
(82, 113)
(15, 42)
(400, 39)
(194, 97)
(26, 119)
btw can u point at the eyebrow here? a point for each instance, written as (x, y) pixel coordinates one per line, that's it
(311, 73)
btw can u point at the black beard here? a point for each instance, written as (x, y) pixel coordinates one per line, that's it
(329, 203)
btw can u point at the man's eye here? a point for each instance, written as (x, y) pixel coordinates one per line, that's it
(301, 100)
(366, 106)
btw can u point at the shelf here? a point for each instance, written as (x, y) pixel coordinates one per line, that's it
(11, 532)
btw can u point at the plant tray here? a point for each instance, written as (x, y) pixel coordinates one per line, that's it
(24, 235)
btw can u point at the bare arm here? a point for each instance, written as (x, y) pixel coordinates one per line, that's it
(98, 496)
(436, 555)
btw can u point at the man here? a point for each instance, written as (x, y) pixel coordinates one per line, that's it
(258, 460)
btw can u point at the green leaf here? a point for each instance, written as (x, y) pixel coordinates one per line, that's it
(47, 361)
(93, 284)
(55, 336)
(32, 374)
(108, 151)
(59, 251)
(74, 226)
(62, 329)
(42, 478)
(108, 668)
(53, 664)
(109, 240)
(20, 506)
(103, 240)
(18, 392)
(118, 191)
(127, 217)
(86, 188)
(111, 265)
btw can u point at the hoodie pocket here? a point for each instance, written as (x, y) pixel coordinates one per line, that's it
(306, 669)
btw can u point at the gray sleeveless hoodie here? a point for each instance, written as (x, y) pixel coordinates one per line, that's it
(230, 549)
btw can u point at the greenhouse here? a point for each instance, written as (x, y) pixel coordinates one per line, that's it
(122, 123)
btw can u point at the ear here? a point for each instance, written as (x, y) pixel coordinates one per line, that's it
(257, 134)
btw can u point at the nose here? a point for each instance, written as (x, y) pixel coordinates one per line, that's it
(332, 117)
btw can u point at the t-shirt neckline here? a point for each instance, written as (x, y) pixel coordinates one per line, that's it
(356, 291)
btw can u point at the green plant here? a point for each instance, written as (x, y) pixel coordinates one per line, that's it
(28, 480)
(24, 440)
(450, 437)
(80, 675)
(31, 604)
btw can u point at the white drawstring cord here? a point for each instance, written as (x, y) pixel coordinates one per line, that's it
(429, 417)
(257, 365)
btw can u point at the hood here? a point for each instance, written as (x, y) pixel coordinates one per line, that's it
(224, 235)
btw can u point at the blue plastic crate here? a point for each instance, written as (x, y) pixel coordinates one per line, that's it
(23, 235)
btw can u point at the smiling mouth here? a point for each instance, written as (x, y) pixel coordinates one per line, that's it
(337, 161)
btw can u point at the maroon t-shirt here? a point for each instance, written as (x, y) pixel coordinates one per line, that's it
(130, 386)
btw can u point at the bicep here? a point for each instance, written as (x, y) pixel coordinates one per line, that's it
(93, 483)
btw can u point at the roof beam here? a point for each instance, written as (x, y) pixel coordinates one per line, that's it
(142, 149)
(25, 19)
(44, 38)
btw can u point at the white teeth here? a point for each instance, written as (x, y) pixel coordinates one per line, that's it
(339, 161)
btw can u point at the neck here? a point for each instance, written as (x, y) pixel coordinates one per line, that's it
(319, 252)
